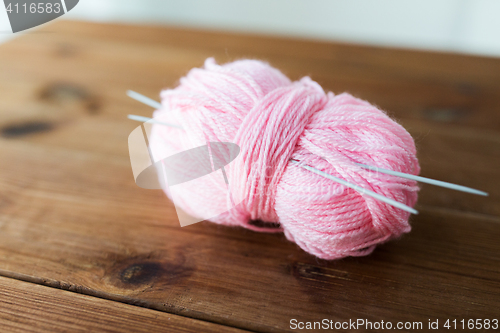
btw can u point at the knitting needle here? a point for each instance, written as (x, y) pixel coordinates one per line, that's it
(394, 203)
(424, 180)
(153, 103)
(143, 99)
(151, 120)
(357, 188)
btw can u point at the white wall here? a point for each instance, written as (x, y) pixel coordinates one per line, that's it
(468, 26)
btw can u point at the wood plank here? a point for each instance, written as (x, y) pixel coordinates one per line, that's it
(71, 216)
(27, 307)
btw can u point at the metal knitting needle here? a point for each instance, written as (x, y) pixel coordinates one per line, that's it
(357, 188)
(361, 190)
(151, 120)
(143, 99)
(153, 103)
(424, 180)
(150, 102)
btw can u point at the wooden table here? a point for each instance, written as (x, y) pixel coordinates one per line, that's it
(82, 248)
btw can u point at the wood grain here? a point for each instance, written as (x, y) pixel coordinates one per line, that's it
(27, 307)
(71, 216)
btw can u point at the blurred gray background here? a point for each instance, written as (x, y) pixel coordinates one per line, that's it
(464, 26)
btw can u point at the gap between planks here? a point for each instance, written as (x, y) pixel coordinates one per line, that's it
(50, 292)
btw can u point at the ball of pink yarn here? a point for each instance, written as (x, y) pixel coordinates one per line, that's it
(273, 120)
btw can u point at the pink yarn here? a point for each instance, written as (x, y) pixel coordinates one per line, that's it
(273, 120)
